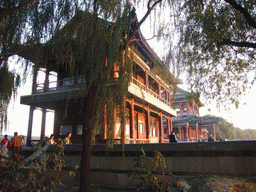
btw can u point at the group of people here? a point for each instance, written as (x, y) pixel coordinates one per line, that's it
(15, 145)
(67, 139)
(173, 138)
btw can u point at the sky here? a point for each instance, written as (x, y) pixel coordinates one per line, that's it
(243, 117)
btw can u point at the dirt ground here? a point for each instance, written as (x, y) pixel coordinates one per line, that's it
(216, 183)
(210, 183)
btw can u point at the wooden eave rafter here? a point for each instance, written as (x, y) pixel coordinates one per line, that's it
(159, 68)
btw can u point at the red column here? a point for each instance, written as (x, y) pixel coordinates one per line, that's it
(132, 120)
(187, 132)
(168, 132)
(181, 108)
(160, 128)
(213, 132)
(179, 130)
(123, 137)
(169, 99)
(182, 133)
(159, 90)
(171, 128)
(104, 123)
(197, 137)
(114, 123)
(147, 123)
(146, 79)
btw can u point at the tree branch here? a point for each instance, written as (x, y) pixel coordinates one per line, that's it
(142, 20)
(244, 11)
(6, 56)
(237, 44)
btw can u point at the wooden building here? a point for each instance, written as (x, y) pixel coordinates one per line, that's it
(188, 124)
(147, 103)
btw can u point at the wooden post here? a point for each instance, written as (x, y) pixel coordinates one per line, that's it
(168, 132)
(123, 137)
(159, 91)
(146, 79)
(213, 132)
(187, 132)
(171, 128)
(132, 120)
(46, 81)
(197, 136)
(104, 123)
(32, 107)
(30, 124)
(147, 123)
(114, 130)
(56, 130)
(46, 88)
(43, 123)
(160, 128)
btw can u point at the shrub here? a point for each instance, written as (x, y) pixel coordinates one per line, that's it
(151, 173)
(39, 173)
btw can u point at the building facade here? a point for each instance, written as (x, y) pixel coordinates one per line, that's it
(147, 105)
(189, 125)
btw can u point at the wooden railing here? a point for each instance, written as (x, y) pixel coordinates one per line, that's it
(69, 83)
(72, 83)
(148, 90)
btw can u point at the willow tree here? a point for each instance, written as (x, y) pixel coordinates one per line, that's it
(88, 46)
(216, 44)
(23, 22)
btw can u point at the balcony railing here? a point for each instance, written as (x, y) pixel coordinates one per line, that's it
(65, 84)
(148, 90)
(72, 83)
(139, 84)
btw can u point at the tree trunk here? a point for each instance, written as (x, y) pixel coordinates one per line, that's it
(88, 111)
(85, 172)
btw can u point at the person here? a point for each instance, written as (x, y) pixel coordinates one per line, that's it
(201, 139)
(68, 140)
(6, 141)
(16, 143)
(210, 138)
(172, 137)
(51, 140)
(5, 145)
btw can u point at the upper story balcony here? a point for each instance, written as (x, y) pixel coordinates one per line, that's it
(143, 92)
(71, 88)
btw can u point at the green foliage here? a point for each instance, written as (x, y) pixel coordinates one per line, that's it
(36, 174)
(193, 97)
(9, 83)
(151, 173)
(226, 130)
(216, 46)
